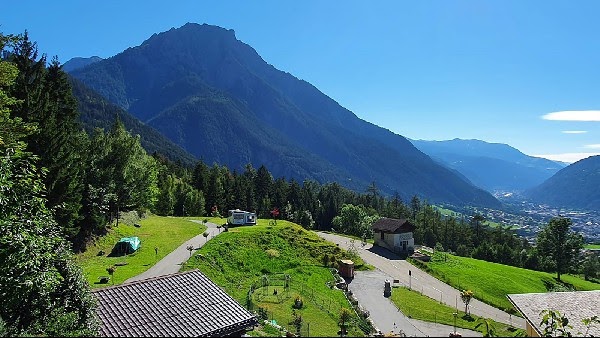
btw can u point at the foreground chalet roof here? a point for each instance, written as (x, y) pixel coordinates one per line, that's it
(392, 225)
(575, 305)
(183, 304)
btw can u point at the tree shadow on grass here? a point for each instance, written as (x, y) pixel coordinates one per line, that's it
(468, 318)
(553, 285)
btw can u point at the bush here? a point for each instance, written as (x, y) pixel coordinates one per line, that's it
(298, 303)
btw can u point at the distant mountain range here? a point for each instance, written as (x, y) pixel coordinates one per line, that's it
(79, 62)
(575, 186)
(491, 166)
(218, 99)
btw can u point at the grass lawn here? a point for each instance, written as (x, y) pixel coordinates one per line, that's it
(321, 304)
(491, 282)
(166, 233)
(592, 246)
(417, 306)
(238, 259)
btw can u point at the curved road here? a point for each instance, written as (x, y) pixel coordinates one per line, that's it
(393, 266)
(172, 262)
(367, 287)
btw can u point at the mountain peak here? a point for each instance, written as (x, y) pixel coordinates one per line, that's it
(191, 29)
(217, 98)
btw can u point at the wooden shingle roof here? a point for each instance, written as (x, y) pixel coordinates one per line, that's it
(184, 304)
(393, 226)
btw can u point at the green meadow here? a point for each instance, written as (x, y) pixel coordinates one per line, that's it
(164, 233)
(259, 257)
(491, 282)
(417, 306)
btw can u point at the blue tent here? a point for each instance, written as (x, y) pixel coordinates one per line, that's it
(128, 245)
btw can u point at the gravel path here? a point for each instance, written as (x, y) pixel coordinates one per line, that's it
(172, 262)
(398, 269)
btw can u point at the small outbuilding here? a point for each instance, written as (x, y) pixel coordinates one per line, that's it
(127, 245)
(395, 235)
(346, 268)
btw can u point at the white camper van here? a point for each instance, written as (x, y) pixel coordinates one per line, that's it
(240, 217)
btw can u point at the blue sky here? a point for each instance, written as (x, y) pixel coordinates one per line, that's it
(524, 73)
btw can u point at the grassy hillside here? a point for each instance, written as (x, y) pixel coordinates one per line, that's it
(259, 257)
(491, 282)
(166, 233)
(418, 306)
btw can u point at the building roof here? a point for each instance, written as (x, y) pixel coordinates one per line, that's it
(575, 305)
(392, 225)
(183, 304)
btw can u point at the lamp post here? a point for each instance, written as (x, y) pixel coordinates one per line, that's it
(409, 280)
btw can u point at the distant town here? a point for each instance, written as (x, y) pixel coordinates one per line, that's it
(526, 217)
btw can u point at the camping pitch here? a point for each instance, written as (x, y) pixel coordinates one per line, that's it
(127, 245)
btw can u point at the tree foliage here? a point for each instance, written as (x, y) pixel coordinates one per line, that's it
(466, 296)
(47, 100)
(42, 291)
(559, 244)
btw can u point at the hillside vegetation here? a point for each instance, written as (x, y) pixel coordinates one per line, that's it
(491, 282)
(164, 233)
(574, 186)
(418, 306)
(213, 95)
(259, 257)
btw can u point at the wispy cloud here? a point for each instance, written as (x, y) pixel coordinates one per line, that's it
(592, 146)
(567, 157)
(574, 131)
(574, 115)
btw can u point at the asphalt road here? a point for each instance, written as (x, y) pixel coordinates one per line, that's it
(172, 262)
(391, 264)
(367, 287)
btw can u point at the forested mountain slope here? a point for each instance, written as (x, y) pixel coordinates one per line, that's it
(217, 98)
(575, 186)
(96, 112)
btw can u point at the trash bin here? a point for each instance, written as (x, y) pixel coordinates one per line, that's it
(387, 288)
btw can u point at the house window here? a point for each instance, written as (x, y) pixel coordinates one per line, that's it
(382, 235)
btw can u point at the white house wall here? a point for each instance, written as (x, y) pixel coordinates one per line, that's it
(394, 241)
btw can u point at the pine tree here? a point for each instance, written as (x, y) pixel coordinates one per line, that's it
(263, 184)
(43, 291)
(47, 101)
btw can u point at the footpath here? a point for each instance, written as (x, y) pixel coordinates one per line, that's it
(172, 262)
